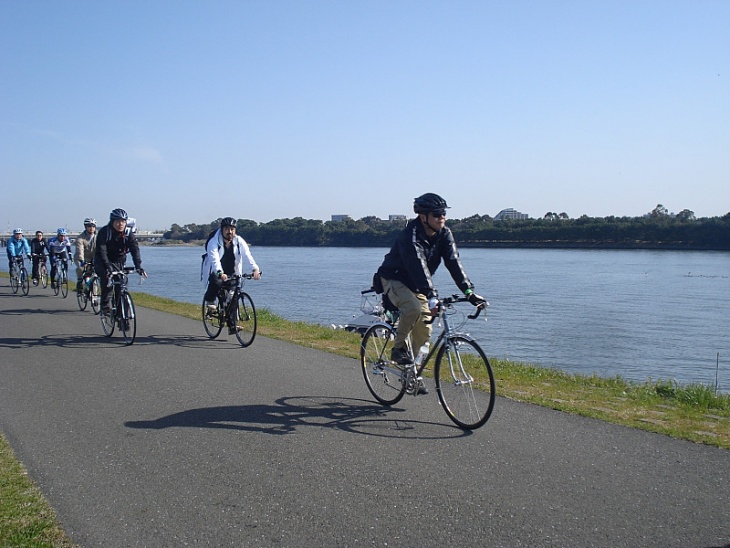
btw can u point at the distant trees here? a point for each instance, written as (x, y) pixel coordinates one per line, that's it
(656, 229)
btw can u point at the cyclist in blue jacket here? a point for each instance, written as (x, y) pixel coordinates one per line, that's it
(17, 247)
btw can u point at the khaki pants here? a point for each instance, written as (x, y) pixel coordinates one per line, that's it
(413, 311)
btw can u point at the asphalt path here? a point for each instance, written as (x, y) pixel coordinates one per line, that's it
(178, 440)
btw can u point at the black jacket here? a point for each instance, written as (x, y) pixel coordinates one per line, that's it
(414, 258)
(112, 248)
(39, 247)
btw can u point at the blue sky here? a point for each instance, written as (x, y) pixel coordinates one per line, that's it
(186, 111)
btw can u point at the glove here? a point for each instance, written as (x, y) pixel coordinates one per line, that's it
(475, 299)
(141, 272)
(433, 302)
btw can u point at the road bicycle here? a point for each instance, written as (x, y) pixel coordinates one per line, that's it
(90, 290)
(235, 308)
(19, 276)
(463, 375)
(42, 269)
(122, 312)
(60, 282)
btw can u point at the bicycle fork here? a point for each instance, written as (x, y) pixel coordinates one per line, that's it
(456, 366)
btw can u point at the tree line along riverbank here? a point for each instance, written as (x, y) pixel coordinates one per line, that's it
(656, 230)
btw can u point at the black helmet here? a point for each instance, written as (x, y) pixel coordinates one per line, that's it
(118, 213)
(228, 221)
(429, 202)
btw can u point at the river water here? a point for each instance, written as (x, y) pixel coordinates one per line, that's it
(638, 314)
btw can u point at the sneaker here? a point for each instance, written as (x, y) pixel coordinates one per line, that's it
(78, 287)
(400, 356)
(35, 281)
(106, 310)
(234, 328)
(211, 308)
(421, 390)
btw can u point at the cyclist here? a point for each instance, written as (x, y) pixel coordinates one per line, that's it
(113, 242)
(38, 251)
(407, 270)
(17, 247)
(85, 247)
(56, 248)
(225, 251)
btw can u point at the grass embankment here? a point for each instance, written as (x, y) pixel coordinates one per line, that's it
(690, 412)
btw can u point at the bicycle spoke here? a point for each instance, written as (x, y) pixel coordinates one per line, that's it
(95, 294)
(127, 318)
(212, 320)
(464, 382)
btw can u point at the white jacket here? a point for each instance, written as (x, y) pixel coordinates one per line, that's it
(214, 250)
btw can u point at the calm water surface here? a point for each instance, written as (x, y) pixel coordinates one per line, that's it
(638, 314)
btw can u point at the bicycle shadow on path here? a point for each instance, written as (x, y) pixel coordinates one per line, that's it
(290, 414)
(74, 340)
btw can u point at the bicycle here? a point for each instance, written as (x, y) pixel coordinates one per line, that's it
(19, 276)
(462, 372)
(90, 289)
(234, 307)
(42, 269)
(60, 282)
(122, 312)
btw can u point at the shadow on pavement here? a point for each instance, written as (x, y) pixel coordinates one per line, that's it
(290, 414)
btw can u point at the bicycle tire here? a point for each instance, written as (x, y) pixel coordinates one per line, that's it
(95, 294)
(43, 274)
(24, 281)
(127, 318)
(212, 322)
(464, 382)
(81, 299)
(245, 317)
(108, 322)
(383, 377)
(64, 284)
(56, 282)
(14, 281)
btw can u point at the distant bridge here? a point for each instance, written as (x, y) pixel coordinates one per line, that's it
(141, 236)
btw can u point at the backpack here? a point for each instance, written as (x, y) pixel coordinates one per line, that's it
(378, 288)
(204, 255)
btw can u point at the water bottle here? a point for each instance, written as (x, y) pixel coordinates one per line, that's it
(229, 296)
(422, 353)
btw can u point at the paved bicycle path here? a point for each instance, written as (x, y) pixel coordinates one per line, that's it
(179, 440)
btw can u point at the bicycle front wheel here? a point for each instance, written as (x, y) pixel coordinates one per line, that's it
(383, 377)
(95, 294)
(107, 322)
(24, 281)
(212, 321)
(464, 382)
(81, 297)
(127, 318)
(64, 284)
(56, 282)
(44, 276)
(14, 281)
(245, 319)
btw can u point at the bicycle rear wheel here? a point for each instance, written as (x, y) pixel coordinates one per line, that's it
(245, 319)
(212, 321)
(127, 318)
(24, 281)
(95, 294)
(64, 284)
(383, 377)
(464, 382)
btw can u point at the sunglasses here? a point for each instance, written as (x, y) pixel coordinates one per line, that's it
(438, 213)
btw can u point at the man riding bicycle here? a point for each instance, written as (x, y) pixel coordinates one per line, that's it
(407, 273)
(224, 257)
(17, 247)
(56, 248)
(38, 251)
(85, 248)
(113, 242)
